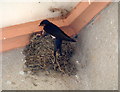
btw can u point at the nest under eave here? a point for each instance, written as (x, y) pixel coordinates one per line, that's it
(39, 55)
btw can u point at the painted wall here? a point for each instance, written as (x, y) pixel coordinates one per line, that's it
(20, 12)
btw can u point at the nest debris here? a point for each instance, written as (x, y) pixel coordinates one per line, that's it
(39, 55)
(63, 12)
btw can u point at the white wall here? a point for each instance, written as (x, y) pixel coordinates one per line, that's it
(20, 12)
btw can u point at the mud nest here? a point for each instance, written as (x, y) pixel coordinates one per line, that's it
(39, 55)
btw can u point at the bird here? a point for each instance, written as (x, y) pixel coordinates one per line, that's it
(54, 30)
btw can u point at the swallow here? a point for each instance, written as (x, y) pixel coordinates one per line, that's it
(59, 35)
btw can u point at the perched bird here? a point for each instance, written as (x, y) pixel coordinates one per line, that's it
(59, 35)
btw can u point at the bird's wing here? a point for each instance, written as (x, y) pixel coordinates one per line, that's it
(57, 32)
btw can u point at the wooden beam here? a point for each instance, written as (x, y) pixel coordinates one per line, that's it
(86, 16)
(18, 35)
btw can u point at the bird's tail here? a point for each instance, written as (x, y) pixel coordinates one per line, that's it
(67, 38)
(71, 40)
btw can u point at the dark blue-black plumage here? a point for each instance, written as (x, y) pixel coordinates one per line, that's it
(59, 35)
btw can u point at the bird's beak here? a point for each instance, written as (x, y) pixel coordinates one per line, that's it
(42, 25)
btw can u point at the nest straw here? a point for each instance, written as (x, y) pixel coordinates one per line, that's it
(39, 55)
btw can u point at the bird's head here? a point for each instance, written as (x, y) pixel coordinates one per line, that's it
(44, 22)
